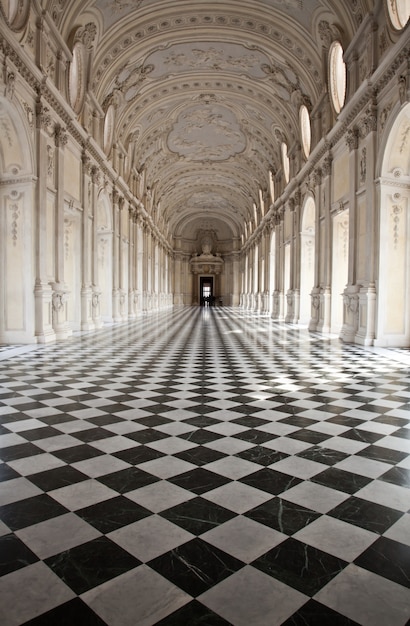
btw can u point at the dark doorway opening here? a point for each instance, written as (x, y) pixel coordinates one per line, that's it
(207, 297)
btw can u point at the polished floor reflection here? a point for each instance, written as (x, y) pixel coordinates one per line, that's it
(204, 466)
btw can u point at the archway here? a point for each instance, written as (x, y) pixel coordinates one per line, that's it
(340, 261)
(17, 226)
(393, 288)
(307, 259)
(104, 277)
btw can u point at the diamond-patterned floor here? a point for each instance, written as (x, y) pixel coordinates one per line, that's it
(204, 467)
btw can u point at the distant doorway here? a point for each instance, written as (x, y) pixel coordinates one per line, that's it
(207, 297)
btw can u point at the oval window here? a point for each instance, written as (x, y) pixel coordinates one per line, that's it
(76, 78)
(108, 129)
(337, 76)
(399, 12)
(17, 13)
(285, 161)
(305, 129)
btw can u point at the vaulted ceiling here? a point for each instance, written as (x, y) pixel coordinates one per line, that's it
(206, 91)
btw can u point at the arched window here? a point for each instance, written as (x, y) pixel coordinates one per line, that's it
(305, 129)
(76, 78)
(399, 12)
(337, 76)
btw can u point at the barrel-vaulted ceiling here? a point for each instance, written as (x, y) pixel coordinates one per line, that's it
(205, 92)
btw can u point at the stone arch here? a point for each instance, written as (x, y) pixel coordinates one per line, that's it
(307, 258)
(104, 273)
(17, 228)
(393, 284)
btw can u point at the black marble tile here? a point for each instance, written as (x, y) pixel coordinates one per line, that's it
(200, 436)
(392, 420)
(53, 420)
(257, 437)
(153, 420)
(251, 421)
(261, 455)
(14, 554)
(193, 614)
(389, 559)
(91, 564)
(369, 515)
(197, 515)
(56, 478)
(199, 480)
(322, 455)
(284, 516)
(114, 513)
(7, 473)
(385, 455)
(146, 436)
(77, 453)
(271, 481)
(93, 434)
(315, 614)
(364, 436)
(397, 476)
(310, 436)
(341, 480)
(106, 420)
(344, 420)
(137, 455)
(128, 479)
(195, 566)
(200, 455)
(402, 433)
(20, 451)
(303, 567)
(30, 511)
(203, 420)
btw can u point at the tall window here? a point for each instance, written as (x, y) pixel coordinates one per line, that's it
(337, 76)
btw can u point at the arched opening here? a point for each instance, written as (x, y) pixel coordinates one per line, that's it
(104, 257)
(393, 289)
(272, 272)
(17, 228)
(340, 260)
(307, 259)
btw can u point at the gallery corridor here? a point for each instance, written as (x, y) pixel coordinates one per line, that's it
(204, 466)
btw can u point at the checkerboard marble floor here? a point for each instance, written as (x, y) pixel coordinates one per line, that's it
(204, 467)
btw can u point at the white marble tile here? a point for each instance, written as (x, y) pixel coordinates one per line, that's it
(171, 445)
(400, 531)
(41, 591)
(237, 497)
(57, 534)
(232, 467)
(150, 537)
(299, 467)
(255, 599)
(100, 465)
(244, 538)
(287, 445)
(363, 466)
(160, 496)
(313, 496)
(17, 489)
(387, 494)
(139, 597)
(366, 598)
(166, 466)
(83, 494)
(336, 537)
